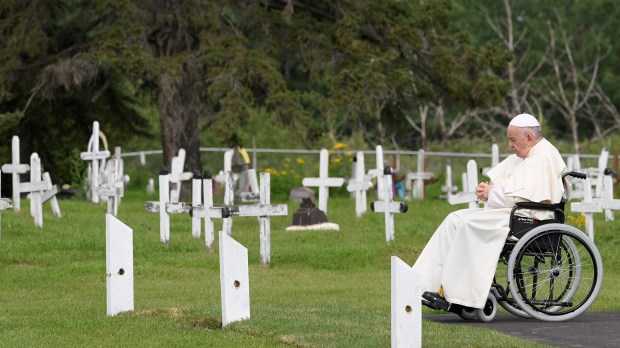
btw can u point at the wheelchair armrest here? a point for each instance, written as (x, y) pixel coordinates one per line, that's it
(559, 212)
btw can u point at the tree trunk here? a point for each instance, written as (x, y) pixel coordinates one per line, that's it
(179, 108)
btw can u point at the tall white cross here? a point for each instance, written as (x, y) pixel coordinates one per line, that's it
(387, 205)
(264, 211)
(15, 169)
(323, 182)
(177, 176)
(359, 184)
(36, 187)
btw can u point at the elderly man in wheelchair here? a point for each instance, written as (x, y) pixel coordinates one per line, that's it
(546, 269)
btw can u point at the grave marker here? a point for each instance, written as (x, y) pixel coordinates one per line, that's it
(196, 201)
(406, 305)
(234, 280)
(359, 184)
(388, 206)
(415, 181)
(323, 182)
(494, 159)
(177, 176)
(264, 210)
(15, 169)
(470, 181)
(95, 157)
(119, 266)
(36, 187)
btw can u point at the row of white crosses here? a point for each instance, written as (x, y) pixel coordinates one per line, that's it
(40, 187)
(234, 273)
(202, 207)
(591, 205)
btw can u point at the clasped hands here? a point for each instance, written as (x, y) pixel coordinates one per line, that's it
(482, 191)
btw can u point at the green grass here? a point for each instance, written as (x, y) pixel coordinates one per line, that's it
(322, 289)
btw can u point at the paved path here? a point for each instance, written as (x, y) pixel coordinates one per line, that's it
(600, 329)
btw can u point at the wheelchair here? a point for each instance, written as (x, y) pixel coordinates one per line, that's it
(547, 270)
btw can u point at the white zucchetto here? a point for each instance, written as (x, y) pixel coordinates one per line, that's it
(524, 120)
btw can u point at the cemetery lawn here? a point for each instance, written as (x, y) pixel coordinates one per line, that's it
(322, 289)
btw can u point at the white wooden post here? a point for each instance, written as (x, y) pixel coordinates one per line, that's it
(494, 159)
(196, 201)
(406, 305)
(207, 184)
(229, 200)
(221, 176)
(378, 171)
(387, 205)
(323, 182)
(15, 169)
(119, 266)
(448, 187)
(587, 207)
(234, 280)
(264, 210)
(598, 178)
(164, 198)
(177, 176)
(359, 185)
(607, 195)
(150, 187)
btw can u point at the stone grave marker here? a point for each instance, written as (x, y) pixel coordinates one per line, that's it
(387, 205)
(119, 266)
(323, 182)
(406, 305)
(359, 184)
(234, 280)
(15, 169)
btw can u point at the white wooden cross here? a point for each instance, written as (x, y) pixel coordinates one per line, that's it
(417, 187)
(36, 187)
(598, 173)
(573, 164)
(323, 182)
(177, 176)
(15, 169)
(494, 159)
(449, 188)
(387, 205)
(607, 200)
(96, 158)
(470, 181)
(253, 194)
(50, 195)
(112, 186)
(264, 210)
(221, 175)
(359, 184)
(378, 171)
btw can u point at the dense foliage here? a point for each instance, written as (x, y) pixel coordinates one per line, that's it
(397, 73)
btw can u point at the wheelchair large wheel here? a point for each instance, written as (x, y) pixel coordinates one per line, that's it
(554, 272)
(502, 293)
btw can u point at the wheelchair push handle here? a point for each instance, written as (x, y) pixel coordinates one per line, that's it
(577, 175)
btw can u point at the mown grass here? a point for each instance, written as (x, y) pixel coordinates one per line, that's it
(322, 289)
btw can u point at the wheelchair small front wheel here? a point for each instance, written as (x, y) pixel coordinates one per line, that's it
(468, 313)
(489, 311)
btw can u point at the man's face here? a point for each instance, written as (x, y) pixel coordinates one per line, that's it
(519, 141)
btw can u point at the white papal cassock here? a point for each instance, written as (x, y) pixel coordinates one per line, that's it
(462, 254)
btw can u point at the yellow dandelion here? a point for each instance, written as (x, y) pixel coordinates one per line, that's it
(299, 160)
(287, 159)
(283, 172)
(337, 160)
(339, 146)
